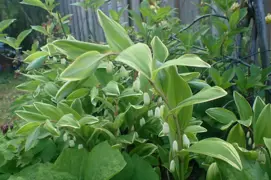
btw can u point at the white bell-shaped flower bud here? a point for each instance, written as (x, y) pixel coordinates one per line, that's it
(160, 100)
(150, 113)
(249, 142)
(162, 110)
(186, 141)
(142, 122)
(147, 99)
(109, 67)
(175, 146)
(63, 61)
(80, 146)
(65, 137)
(172, 166)
(74, 138)
(157, 112)
(136, 85)
(165, 128)
(71, 143)
(248, 134)
(253, 146)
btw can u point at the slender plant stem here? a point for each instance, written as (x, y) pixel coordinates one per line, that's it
(203, 17)
(179, 131)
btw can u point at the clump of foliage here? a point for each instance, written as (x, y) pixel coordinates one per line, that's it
(135, 108)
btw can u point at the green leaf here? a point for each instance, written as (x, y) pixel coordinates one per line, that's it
(72, 161)
(68, 120)
(251, 168)
(51, 89)
(243, 107)
(115, 34)
(79, 93)
(104, 162)
(221, 115)
(160, 51)
(37, 77)
(112, 89)
(258, 106)
(215, 75)
(228, 75)
(262, 126)
(136, 169)
(89, 120)
(36, 3)
(21, 37)
(68, 110)
(205, 95)
(77, 106)
(6, 23)
(82, 67)
(138, 57)
(213, 172)
(35, 56)
(40, 29)
(189, 60)
(234, 19)
(65, 90)
(190, 76)
(28, 86)
(50, 128)
(37, 63)
(219, 149)
(30, 116)
(267, 142)
(144, 150)
(237, 135)
(32, 138)
(170, 83)
(28, 127)
(40, 171)
(195, 129)
(73, 49)
(9, 41)
(49, 110)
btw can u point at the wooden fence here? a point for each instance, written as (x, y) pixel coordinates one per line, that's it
(85, 26)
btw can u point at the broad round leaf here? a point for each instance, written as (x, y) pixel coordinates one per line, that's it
(104, 162)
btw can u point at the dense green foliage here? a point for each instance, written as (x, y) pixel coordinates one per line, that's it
(157, 103)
